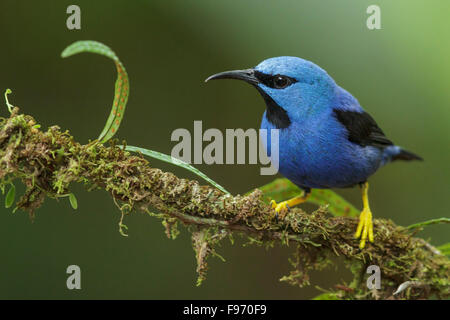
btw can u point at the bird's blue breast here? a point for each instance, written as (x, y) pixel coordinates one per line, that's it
(317, 153)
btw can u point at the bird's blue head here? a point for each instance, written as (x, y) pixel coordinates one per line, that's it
(294, 89)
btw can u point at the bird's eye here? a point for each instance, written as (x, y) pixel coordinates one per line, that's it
(280, 82)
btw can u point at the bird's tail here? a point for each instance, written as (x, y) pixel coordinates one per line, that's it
(406, 156)
(393, 153)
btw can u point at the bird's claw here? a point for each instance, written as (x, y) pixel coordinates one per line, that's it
(365, 228)
(280, 209)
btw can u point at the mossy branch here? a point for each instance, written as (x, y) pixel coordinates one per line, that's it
(48, 162)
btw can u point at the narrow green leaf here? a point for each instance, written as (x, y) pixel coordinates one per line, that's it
(73, 201)
(282, 189)
(10, 196)
(445, 249)
(122, 87)
(177, 162)
(428, 222)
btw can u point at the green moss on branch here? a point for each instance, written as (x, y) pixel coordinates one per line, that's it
(48, 162)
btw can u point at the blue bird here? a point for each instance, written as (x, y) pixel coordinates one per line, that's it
(326, 139)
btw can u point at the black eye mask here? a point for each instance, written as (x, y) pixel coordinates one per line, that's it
(277, 81)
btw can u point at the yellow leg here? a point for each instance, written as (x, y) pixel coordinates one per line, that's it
(365, 225)
(282, 207)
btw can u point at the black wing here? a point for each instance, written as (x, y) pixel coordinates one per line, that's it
(362, 128)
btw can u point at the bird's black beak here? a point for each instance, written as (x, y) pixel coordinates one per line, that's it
(248, 75)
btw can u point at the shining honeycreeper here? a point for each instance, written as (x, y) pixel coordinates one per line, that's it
(326, 139)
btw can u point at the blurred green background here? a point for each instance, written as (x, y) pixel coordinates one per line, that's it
(400, 74)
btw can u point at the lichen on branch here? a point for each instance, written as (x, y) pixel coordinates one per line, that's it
(47, 163)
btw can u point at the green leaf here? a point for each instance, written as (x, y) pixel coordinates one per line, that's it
(428, 222)
(326, 296)
(122, 87)
(282, 189)
(445, 249)
(175, 161)
(73, 201)
(10, 196)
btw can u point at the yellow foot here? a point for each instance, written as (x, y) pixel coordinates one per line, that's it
(365, 228)
(283, 207)
(280, 208)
